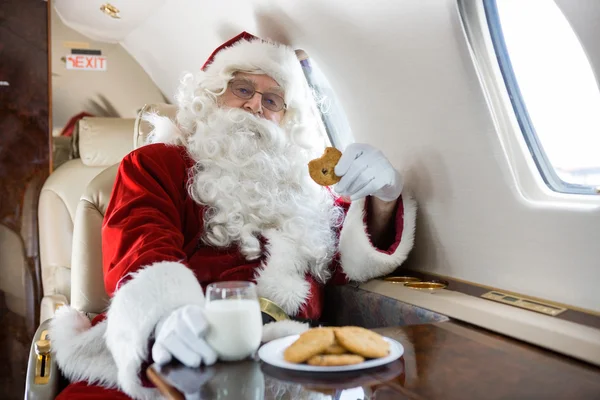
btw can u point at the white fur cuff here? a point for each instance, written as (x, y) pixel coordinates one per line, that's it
(279, 329)
(136, 308)
(360, 260)
(282, 279)
(80, 349)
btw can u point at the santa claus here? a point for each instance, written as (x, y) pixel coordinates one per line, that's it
(224, 194)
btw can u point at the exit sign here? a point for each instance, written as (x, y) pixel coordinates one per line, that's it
(86, 62)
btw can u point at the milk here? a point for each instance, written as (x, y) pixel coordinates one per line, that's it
(235, 327)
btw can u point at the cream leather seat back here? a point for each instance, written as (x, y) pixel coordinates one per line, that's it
(87, 280)
(99, 143)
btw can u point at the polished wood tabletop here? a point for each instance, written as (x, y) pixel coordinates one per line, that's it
(447, 360)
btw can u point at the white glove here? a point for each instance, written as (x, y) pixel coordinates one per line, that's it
(180, 335)
(366, 172)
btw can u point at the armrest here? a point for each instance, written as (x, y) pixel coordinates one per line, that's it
(43, 376)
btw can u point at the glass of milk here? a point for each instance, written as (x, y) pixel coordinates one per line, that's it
(234, 318)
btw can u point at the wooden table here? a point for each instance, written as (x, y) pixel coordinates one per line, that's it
(447, 360)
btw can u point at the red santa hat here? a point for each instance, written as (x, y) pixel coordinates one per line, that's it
(242, 36)
(248, 53)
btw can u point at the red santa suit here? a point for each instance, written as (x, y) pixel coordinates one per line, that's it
(155, 260)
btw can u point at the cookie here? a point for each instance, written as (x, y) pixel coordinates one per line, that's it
(335, 348)
(331, 360)
(309, 344)
(321, 170)
(362, 341)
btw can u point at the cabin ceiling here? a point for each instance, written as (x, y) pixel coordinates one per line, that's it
(169, 37)
(87, 18)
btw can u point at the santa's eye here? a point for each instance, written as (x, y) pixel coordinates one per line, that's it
(242, 89)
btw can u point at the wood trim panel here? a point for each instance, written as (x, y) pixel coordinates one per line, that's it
(24, 130)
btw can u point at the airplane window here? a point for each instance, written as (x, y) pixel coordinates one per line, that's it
(333, 118)
(553, 90)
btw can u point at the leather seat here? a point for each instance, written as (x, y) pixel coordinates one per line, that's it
(98, 144)
(87, 293)
(87, 281)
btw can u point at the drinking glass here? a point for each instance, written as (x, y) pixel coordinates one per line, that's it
(234, 317)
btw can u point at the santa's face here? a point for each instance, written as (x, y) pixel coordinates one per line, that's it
(260, 95)
(253, 179)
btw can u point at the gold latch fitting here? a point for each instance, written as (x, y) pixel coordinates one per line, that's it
(42, 347)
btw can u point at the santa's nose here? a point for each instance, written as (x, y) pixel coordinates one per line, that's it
(254, 105)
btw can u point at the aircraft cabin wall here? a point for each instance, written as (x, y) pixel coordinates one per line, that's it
(101, 93)
(404, 73)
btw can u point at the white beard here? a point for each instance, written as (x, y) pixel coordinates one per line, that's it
(254, 182)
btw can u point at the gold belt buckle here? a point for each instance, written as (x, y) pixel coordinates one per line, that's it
(272, 309)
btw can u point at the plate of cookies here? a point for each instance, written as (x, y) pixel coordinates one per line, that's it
(347, 348)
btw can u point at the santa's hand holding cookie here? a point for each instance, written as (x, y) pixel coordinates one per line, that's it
(365, 171)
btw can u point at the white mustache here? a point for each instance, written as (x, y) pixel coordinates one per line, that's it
(238, 122)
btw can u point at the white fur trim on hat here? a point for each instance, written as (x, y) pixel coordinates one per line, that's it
(360, 260)
(276, 60)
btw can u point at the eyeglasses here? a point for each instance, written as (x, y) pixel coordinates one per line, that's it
(245, 90)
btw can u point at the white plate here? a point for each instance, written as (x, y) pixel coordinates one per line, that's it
(272, 353)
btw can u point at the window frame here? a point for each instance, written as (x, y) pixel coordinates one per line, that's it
(530, 182)
(335, 122)
(535, 146)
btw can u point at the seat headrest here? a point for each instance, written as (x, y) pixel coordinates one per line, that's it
(142, 128)
(104, 141)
